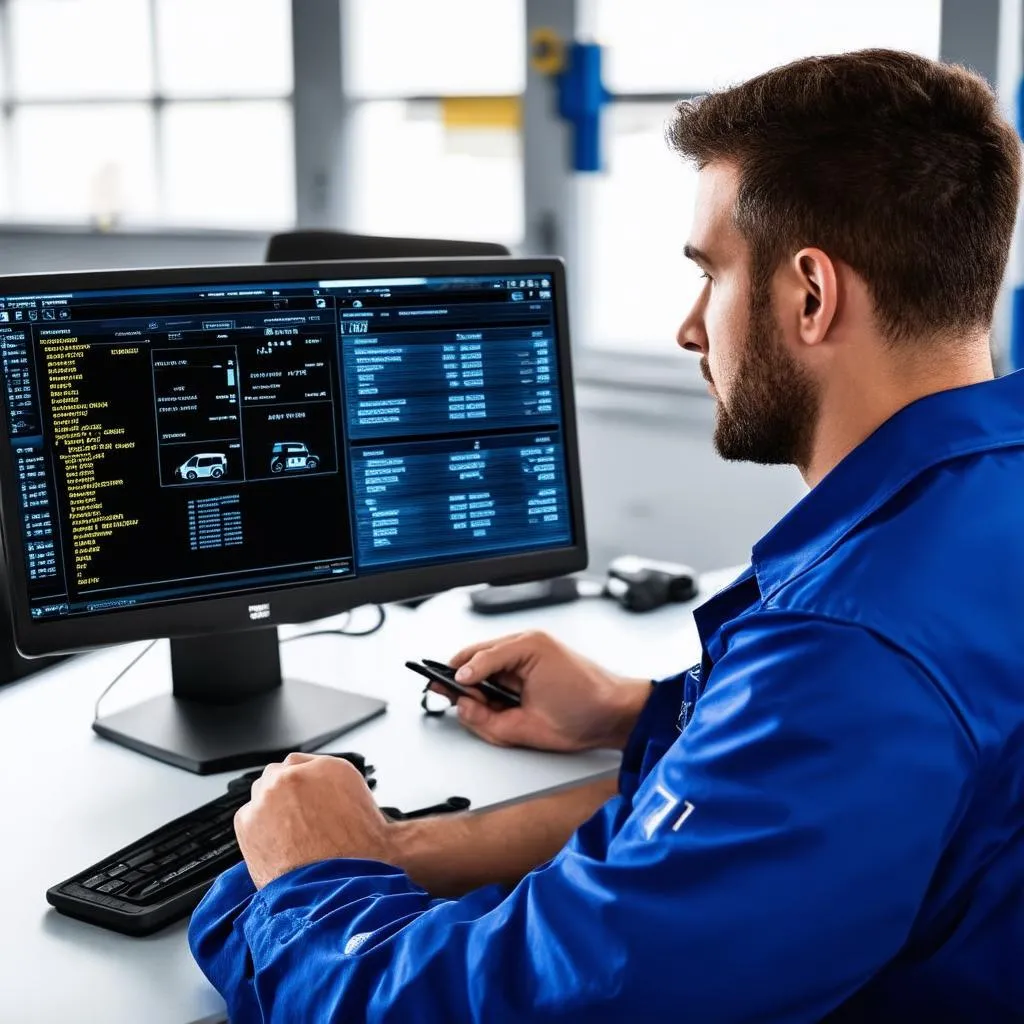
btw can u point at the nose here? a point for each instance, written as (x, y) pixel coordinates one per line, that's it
(691, 335)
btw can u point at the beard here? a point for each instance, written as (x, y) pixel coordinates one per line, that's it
(773, 402)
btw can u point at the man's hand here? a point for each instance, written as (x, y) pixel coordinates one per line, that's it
(568, 702)
(306, 809)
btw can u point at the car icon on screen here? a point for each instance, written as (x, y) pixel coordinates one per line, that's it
(204, 466)
(291, 455)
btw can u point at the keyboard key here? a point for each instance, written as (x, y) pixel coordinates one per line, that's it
(178, 872)
(140, 858)
(111, 886)
(91, 883)
(134, 876)
(117, 870)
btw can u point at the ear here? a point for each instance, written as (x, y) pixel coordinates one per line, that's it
(814, 281)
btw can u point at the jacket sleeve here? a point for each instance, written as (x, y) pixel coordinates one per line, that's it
(770, 864)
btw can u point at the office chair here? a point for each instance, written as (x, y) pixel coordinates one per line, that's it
(299, 246)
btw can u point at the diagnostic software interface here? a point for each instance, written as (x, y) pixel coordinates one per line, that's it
(178, 442)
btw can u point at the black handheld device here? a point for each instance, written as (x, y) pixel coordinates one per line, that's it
(444, 676)
(641, 584)
(517, 597)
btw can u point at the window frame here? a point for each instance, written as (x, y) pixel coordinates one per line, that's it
(157, 101)
(643, 370)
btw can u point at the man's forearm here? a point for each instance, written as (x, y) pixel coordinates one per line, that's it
(629, 701)
(452, 855)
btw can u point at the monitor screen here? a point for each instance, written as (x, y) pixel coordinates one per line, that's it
(175, 442)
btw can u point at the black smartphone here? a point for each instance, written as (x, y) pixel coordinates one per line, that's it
(444, 676)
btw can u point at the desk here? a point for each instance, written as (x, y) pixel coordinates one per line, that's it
(69, 798)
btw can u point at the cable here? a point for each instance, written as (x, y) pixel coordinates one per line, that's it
(120, 675)
(381, 612)
(320, 632)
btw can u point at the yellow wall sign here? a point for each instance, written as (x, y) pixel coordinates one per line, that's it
(482, 112)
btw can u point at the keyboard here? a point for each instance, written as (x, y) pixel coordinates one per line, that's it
(161, 877)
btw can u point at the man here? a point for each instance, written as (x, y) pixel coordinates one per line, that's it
(825, 817)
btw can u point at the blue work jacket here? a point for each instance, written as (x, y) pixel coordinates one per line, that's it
(823, 819)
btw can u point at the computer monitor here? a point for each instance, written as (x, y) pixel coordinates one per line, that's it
(204, 453)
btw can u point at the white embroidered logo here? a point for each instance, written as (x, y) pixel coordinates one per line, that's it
(687, 811)
(667, 803)
(259, 611)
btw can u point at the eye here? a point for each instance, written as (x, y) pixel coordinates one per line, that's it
(705, 276)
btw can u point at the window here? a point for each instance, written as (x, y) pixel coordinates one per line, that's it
(416, 170)
(635, 217)
(437, 48)
(93, 159)
(229, 164)
(692, 46)
(5, 195)
(434, 136)
(224, 48)
(81, 49)
(148, 112)
(5, 149)
(634, 222)
(4, 160)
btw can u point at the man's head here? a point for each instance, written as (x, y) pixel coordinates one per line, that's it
(854, 215)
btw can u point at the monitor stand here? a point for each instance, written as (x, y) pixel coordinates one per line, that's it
(230, 708)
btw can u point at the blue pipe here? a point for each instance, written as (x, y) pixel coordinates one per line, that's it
(581, 97)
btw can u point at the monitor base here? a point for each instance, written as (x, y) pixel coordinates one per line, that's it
(206, 738)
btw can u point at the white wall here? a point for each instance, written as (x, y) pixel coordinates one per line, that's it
(654, 485)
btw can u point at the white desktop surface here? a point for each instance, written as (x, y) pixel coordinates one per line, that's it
(69, 798)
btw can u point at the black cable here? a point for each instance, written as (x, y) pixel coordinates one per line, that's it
(381, 613)
(120, 675)
(320, 632)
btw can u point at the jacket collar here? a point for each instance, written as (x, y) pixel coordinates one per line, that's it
(930, 431)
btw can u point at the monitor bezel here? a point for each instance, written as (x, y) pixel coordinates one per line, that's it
(303, 602)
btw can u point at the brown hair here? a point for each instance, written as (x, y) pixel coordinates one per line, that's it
(899, 166)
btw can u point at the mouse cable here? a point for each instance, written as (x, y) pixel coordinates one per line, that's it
(381, 616)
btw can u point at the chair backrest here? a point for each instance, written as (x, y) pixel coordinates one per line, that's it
(299, 246)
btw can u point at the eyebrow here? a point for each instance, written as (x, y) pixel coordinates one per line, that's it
(691, 252)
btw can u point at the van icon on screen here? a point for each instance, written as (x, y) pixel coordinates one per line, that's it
(291, 455)
(204, 466)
